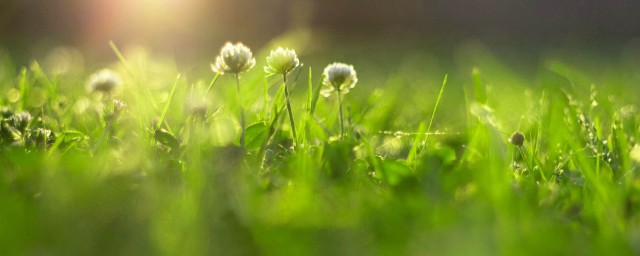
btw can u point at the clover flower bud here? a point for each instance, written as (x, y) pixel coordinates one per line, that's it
(517, 139)
(281, 61)
(105, 81)
(5, 112)
(8, 133)
(118, 106)
(20, 120)
(111, 114)
(234, 59)
(338, 77)
(41, 137)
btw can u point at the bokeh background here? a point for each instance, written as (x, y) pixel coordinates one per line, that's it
(189, 28)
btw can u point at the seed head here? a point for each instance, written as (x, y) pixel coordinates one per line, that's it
(517, 139)
(234, 59)
(281, 61)
(104, 81)
(338, 77)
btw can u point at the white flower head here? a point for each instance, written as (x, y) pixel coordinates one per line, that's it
(234, 59)
(118, 106)
(338, 77)
(105, 81)
(281, 61)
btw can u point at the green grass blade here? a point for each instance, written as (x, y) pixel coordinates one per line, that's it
(215, 78)
(413, 152)
(479, 87)
(166, 106)
(24, 89)
(433, 114)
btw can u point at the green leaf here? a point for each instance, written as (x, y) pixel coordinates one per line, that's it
(479, 87)
(395, 171)
(166, 106)
(71, 135)
(255, 135)
(167, 139)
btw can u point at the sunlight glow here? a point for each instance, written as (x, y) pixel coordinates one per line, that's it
(138, 20)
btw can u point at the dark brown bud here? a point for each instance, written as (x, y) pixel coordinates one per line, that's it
(517, 139)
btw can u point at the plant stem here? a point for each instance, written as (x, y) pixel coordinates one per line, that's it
(286, 94)
(242, 122)
(340, 113)
(213, 81)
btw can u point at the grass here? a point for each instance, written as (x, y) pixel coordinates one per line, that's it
(424, 168)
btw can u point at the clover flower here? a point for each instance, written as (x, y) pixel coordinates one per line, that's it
(20, 120)
(41, 137)
(118, 106)
(5, 112)
(8, 133)
(338, 77)
(281, 61)
(234, 59)
(105, 81)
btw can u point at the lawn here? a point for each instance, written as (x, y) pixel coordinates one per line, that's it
(426, 162)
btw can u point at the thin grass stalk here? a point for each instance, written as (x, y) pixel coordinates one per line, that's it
(340, 114)
(242, 120)
(291, 120)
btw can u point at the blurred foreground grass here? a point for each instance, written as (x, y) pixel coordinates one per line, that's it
(118, 187)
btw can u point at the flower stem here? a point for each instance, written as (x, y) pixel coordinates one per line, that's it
(286, 94)
(340, 113)
(242, 124)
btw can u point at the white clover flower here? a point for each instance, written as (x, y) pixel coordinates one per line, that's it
(118, 106)
(338, 77)
(234, 59)
(104, 81)
(281, 61)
